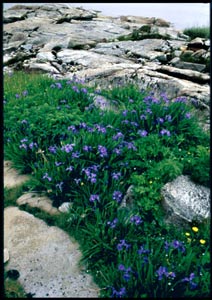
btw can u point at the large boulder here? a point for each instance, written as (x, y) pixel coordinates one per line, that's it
(46, 258)
(186, 201)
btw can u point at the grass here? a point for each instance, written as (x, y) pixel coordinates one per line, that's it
(90, 157)
(197, 31)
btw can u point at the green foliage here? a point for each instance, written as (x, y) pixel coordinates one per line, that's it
(78, 153)
(13, 289)
(196, 31)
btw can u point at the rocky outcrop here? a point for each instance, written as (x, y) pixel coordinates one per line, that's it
(186, 201)
(65, 41)
(46, 258)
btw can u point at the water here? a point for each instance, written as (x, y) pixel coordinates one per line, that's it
(181, 15)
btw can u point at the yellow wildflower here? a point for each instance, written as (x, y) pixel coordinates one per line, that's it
(202, 241)
(82, 183)
(195, 229)
(150, 182)
(187, 234)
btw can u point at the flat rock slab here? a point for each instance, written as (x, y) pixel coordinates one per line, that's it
(39, 201)
(11, 176)
(46, 258)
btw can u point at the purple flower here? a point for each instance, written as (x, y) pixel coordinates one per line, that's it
(121, 267)
(46, 176)
(84, 90)
(94, 198)
(73, 128)
(123, 244)
(119, 294)
(165, 132)
(87, 148)
(113, 223)
(25, 93)
(57, 164)
(160, 120)
(59, 185)
(24, 140)
(17, 96)
(188, 115)
(68, 148)
(102, 151)
(58, 85)
(116, 176)
(117, 136)
(23, 146)
(125, 122)
(131, 100)
(117, 150)
(117, 195)
(77, 180)
(24, 122)
(148, 111)
(70, 168)
(124, 113)
(189, 279)
(143, 251)
(75, 88)
(178, 245)
(75, 154)
(142, 132)
(180, 99)
(32, 145)
(53, 149)
(143, 117)
(136, 220)
(168, 118)
(130, 145)
(162, 271)
(100, 128)
(134, 124)
(83, 125)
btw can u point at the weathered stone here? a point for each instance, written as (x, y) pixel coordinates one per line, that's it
(64, 207)
(195, 44)
(6, 255)
(11, 176)
(187, 200)
(46, 258)
(98, 48)
(187, 65)
(39, 201)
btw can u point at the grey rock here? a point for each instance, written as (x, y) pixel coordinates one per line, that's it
(11, 176)
(64, 207)
(39, 201)
(46, 257)
(186, 199)
(191, 66)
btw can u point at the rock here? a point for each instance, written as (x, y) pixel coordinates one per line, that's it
(186, 200)
(6, 255)
(61, 40)
(187, 65)
(64, 207)
(36, 200)
(128, 200)
(195, 44)
(194, 76)
(11, 176)
(46, 258)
